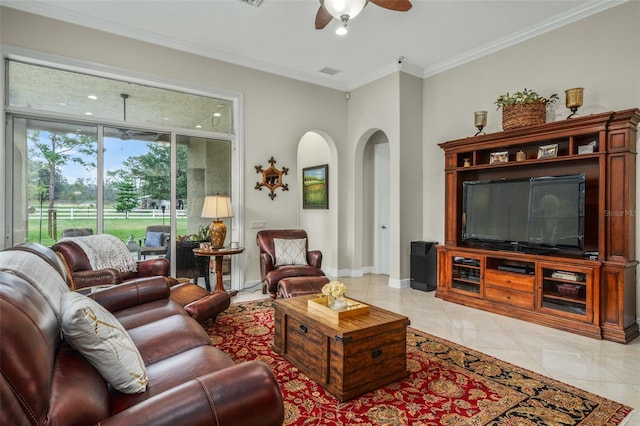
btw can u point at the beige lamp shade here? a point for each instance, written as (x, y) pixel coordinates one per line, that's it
(216, 207)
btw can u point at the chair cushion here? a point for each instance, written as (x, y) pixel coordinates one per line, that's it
(153, 239)
(97, 334)
(297, 286)
(290, 251)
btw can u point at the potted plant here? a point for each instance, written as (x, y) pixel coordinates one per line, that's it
(525, 108)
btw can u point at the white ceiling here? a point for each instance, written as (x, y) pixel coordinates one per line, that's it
(279, 35)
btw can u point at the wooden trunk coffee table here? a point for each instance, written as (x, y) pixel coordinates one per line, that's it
(354, 356)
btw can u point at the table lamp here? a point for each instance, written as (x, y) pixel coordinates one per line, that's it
(216, 207)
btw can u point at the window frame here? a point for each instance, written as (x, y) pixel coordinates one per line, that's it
(236, 138)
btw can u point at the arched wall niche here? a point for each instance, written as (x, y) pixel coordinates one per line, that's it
(316, 148)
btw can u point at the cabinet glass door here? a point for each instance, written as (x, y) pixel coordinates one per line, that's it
(466, 276)
(566, 292)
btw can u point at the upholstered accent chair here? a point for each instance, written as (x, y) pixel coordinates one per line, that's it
(156, 241)
(284, 253)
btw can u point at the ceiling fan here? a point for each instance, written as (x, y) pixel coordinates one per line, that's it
(344, 10)
(127, 134)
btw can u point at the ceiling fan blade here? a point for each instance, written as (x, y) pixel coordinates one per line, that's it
(322, 18)
(398, 5)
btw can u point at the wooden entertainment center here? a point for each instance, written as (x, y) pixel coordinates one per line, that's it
(591, 291)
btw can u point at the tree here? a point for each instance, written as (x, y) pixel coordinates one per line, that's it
(57, 150)
(153, 170)
(127, 198)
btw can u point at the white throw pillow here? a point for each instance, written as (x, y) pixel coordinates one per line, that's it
(37, 272)
(98, 335)
(290, 252)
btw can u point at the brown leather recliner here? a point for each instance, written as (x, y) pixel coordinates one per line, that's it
(45, 381)
(200, 303)
(272, 274)
(81, 273)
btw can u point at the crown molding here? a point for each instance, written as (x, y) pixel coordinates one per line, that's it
(113, 27)
(44, 9)
(587, 9)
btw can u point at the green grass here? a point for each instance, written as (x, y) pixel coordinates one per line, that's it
(314, 194)
(121, 228)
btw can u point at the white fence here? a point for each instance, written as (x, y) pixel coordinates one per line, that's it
(78, 213)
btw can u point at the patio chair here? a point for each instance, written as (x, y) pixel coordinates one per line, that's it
(156, 240)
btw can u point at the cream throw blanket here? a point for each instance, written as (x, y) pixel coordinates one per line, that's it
(106, 251)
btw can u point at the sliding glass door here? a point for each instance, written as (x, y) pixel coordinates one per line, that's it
(88, 154)
(54, 179)
(137, 188)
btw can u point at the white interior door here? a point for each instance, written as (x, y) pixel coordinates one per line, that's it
(381, 202)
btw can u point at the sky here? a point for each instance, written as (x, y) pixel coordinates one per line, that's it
(116, 151)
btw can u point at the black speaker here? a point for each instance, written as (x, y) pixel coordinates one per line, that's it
(424, 265)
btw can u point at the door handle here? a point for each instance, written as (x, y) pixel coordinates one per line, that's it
(383, 227)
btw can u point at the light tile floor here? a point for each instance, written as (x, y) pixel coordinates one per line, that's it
(605, 368)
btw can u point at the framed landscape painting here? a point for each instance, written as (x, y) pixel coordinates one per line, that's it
(315, 187)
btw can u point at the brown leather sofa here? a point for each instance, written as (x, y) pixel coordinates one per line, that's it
(272, 274)
(197, 301)
(44, 381)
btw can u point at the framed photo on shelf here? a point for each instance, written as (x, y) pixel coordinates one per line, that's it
(499, 157)
(548, 151)
(315, 187)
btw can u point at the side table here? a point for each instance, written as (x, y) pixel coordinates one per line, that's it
(218, 255)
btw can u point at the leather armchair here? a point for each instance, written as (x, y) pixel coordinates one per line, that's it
(82, 275)
(200, 303)
(272, 274)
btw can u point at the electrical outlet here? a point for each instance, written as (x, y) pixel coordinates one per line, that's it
(258, 224)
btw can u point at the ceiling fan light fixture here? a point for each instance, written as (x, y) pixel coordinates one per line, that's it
(342, 30)
(338, 8)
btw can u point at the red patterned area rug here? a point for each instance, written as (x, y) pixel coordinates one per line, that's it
(448, 385)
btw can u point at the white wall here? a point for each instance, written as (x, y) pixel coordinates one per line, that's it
(410, 171)
(321, 224)
(371, 108)
(277, 111)
(393, 105)
(600, 53)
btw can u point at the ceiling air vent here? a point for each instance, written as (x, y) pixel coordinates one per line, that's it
(255, 3)
(329, 71)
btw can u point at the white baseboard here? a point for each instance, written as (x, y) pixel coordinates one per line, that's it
(251, 284)
(399, 283)
(353, 273)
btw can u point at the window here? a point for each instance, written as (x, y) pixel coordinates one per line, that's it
(126, 156)
(50, 90)
(54, 179)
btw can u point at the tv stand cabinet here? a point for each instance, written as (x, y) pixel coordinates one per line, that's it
(593, 295)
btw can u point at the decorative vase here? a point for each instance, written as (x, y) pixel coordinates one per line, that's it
(330, 301)
(336, 303)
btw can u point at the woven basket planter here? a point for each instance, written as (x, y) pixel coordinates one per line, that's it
(523, 115)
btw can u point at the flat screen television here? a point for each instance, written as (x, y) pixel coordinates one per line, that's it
(534, 214)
